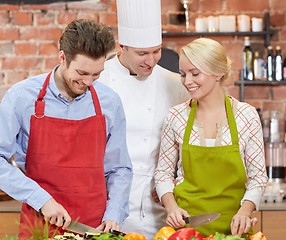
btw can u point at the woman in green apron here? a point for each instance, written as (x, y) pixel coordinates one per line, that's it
(219, 143)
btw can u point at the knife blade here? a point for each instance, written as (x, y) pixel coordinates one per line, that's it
(81, 228)
(199, 220)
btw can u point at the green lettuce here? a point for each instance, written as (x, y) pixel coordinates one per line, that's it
(221, 236)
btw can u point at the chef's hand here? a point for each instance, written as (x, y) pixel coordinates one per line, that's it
(175, 214)
(241, 222)
(54, 213)
(109, 224)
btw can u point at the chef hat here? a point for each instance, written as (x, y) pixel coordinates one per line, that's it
(139, 23)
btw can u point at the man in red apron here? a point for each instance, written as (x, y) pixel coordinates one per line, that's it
(72, 132)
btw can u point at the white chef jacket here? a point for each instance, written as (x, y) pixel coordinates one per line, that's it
(146, 103)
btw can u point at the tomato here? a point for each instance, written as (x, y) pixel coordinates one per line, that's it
(185, 234)
(134, 236)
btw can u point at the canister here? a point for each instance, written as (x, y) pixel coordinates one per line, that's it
(274, 156)
(276, 133)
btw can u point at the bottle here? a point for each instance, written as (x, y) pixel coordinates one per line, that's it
(278, 65)
(265, 125)
(257, 66)
(274, 126)
(270, 65)
(284, 67)
(264, 71)
(247, 60)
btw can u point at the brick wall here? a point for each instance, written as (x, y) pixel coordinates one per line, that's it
(29, 37)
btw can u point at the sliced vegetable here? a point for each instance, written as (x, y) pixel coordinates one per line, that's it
(210, 237)
(185, 234)
(103, 236)
(221, 236)
(164, 233)
(134, 236)
(258, 236)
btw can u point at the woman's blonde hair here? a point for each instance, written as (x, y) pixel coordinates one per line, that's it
(209, 57)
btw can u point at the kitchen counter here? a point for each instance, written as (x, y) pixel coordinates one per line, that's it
(273, 206)
(10, 206)
(271, 219)
(15, 206)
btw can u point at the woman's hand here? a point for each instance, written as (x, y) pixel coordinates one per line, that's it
(241, 222)
(175, 217)
(175, 214)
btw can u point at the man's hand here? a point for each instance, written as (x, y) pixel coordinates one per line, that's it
(54, 213)
(109, 224)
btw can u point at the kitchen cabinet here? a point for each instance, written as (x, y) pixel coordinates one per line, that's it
(271, 223)
(9, 224)
(271, 220)
(9, 218)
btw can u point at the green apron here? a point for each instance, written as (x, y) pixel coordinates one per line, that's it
(214, 178)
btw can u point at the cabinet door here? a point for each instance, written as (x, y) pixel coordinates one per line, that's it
(273, 224)
(9, 224)
(258, 226)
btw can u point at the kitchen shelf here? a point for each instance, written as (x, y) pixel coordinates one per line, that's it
(243, 83)
(257, 82)
(262, 33)
(266, 34)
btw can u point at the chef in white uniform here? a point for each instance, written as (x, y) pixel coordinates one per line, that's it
(147, 92)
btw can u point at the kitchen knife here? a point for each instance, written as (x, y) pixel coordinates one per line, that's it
(80, 228)
(199, 220)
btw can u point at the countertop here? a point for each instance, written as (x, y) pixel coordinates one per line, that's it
(10, 206)
(15, 206)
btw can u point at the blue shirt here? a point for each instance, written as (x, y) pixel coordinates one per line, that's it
(16, 109)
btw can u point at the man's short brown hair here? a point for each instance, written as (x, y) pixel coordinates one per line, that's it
(86, 37)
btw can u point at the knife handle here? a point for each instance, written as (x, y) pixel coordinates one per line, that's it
(186, 219)
(117, 233)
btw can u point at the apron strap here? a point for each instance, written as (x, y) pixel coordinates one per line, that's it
(230, 117)
(40, 103)
(190, 123)
(231, 122)
(95, 101)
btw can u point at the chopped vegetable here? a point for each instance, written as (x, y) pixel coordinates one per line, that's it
(210, 237)
(221, 236)
(106, 236)
(258, 236)
(66, 235)
(164, 233)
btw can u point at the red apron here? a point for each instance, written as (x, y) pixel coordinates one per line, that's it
(65, 157)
